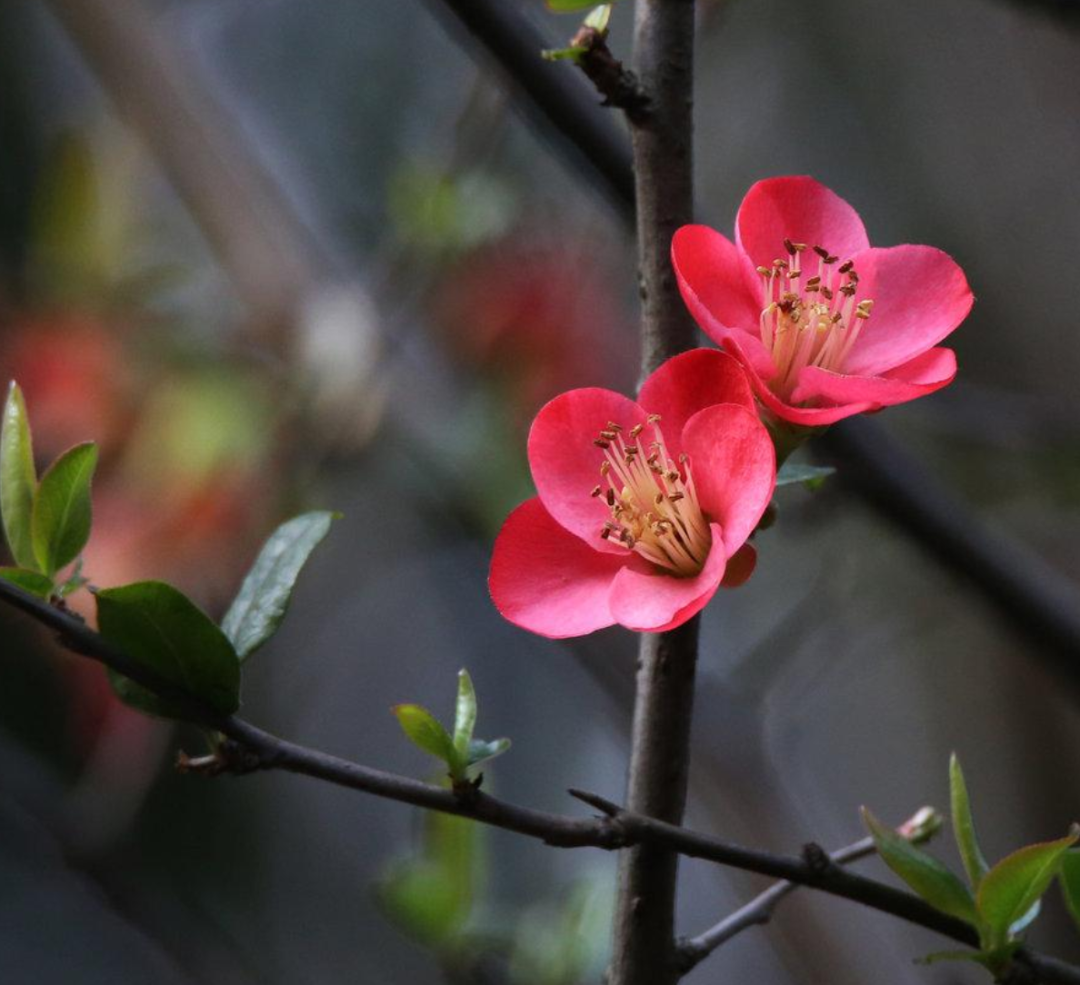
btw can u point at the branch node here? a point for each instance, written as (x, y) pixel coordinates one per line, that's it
(617, 84)
(816, 858)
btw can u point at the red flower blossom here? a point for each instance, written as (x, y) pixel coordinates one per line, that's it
(644, 506)
(825, 325)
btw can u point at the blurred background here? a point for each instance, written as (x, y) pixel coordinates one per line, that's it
(282, 255)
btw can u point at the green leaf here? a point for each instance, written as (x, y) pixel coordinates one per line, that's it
(569, 6)
(1070, 884)
(996, 960)
(426, 731)
(162, 629)
(599, 18)
(464, 717)
(572, 54)
(480, 751)
(811, 476)
(263, 599)
(30, 581)
(60, 522)
(1013, 886)
(18, 480)
(923, 873)
(964, 825)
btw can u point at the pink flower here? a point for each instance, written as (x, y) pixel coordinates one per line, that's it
(825, 325)
(644, 506)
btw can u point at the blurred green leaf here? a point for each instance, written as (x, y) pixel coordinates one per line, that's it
(569, 6)
(480, 751)
(811, 476)
(1012, 887)
(572, 54)
(18, 480)
(60, 521)
(425, 731)
(263, 599)
(1070, 884)
(430, 896)
(161, 628)
(923, 873)
(30, 581)
(964, 825)
(464, 718)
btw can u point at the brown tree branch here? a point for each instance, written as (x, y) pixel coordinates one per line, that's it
(643, 939)
(253, 749)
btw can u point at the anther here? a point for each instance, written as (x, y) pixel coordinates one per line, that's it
(653, 419)
(605, 533)
(790, 247)
(684, 458)
(821, 251)
(794, 274)
(676, 496)
(658, 499)
(848, 290)
(672, 476)
(827, 293)
(764, 271)
(612, 426)
(601, 443)
(596, 491)
(813, 282)
(605, 467)
(607, 435)
(845, 266)
(610, 497)
(636, 430)
(830, 259)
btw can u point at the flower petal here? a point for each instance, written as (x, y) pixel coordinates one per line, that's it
(689, 382)
(809, 417)
(922, 375)
(566, 464)
(802, 210)
(717, 281)
(740, 567)
(734, 469)
(645, 599)
(920, 295)
(546, 580)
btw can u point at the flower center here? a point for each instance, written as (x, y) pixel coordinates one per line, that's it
(653, 503)
(809, 321)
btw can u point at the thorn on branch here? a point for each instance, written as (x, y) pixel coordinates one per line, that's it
(618, 85)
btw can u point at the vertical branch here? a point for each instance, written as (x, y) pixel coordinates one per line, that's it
(644, 938)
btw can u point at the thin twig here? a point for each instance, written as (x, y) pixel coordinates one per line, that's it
(257, 750)
(758, 911)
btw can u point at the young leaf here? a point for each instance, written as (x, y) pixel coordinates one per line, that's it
(464, 717)
(599, 18)
(263, 599)
(480, 751)
(964, 825)
(1070, 884)
(1012, 887)
(161, 628)
(18, 480)
(812, 476)
(426, 731)
(569, 6)
(60, 521)
(922, 872)
(30, 581)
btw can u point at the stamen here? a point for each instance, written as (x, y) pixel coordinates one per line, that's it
(810, 322)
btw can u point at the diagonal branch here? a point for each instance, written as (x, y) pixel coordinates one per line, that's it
(694, 950)
(1037, 601)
